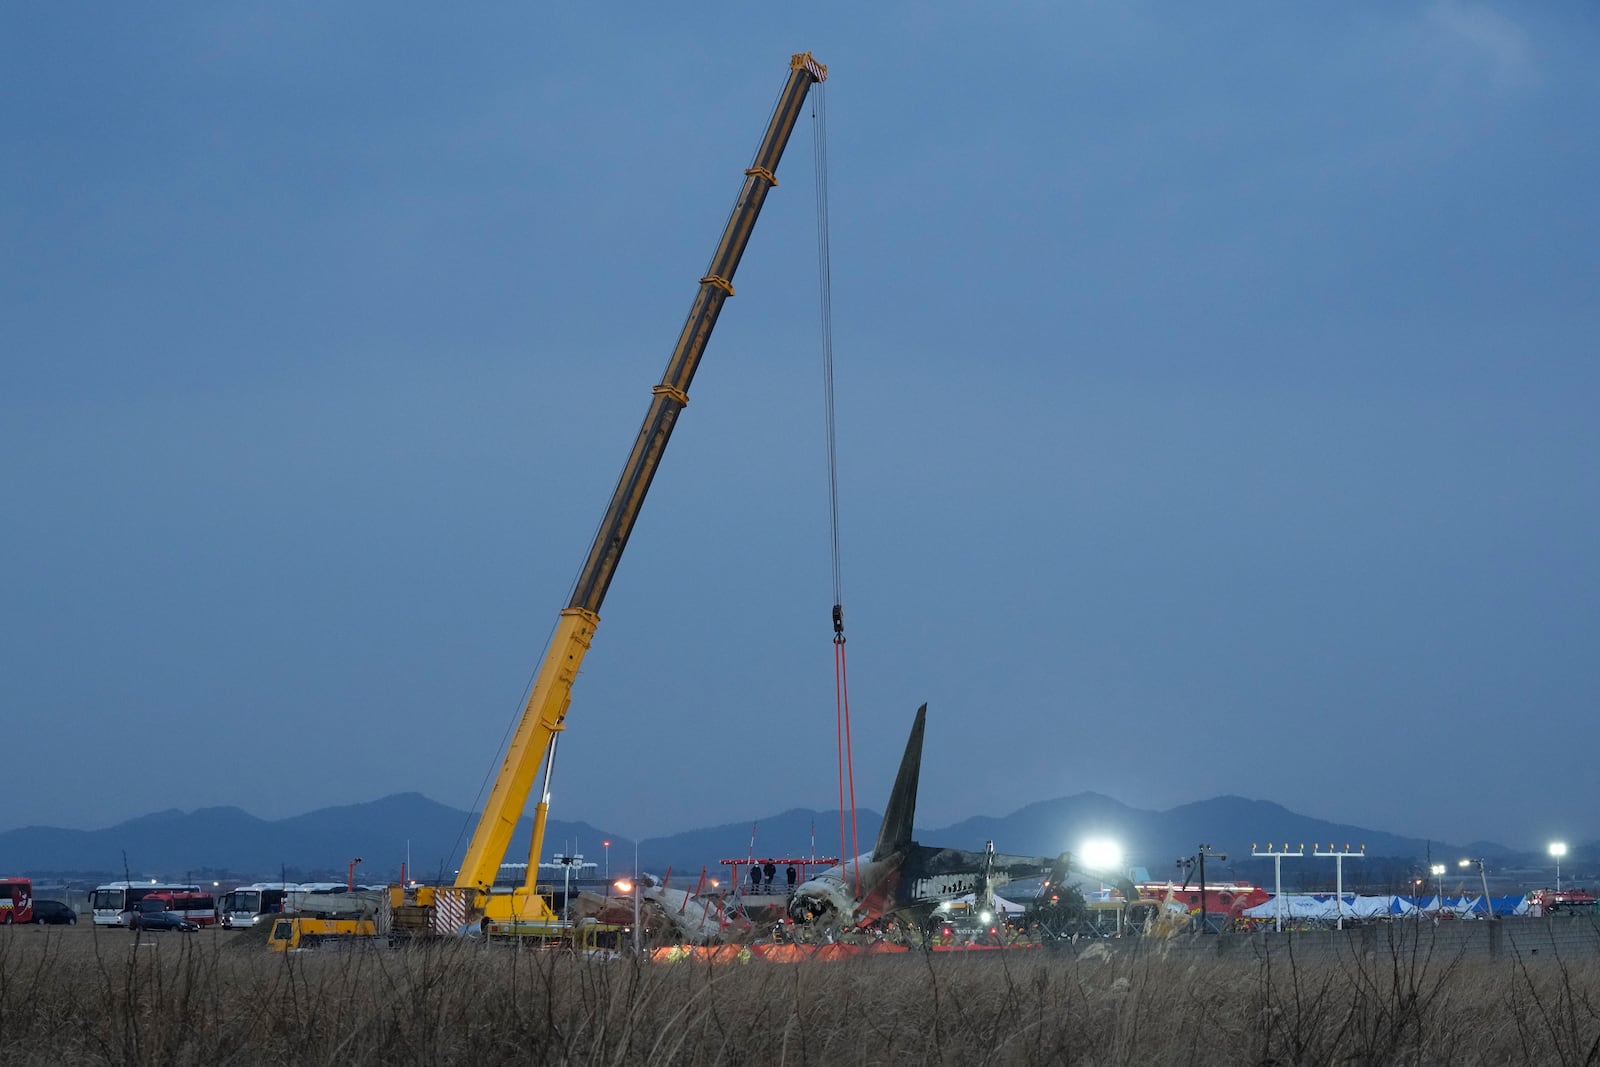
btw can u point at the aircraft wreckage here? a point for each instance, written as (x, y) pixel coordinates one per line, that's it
(898, 882)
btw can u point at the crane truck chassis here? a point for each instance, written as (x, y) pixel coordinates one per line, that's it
(473, 899)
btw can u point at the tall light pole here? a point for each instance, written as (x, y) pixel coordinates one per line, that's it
(1437, 870)
(1277, 877)
(1488, 905)
(608, 859)
(1103, 857)
(567, 860)
(1557, 850)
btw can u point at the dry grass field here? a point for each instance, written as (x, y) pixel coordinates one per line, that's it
(77, 995)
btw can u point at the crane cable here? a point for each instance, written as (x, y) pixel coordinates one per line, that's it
(848, 846)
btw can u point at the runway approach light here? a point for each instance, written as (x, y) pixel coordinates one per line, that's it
(1101, 854)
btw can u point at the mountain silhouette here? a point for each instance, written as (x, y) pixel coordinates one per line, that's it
(229, 842)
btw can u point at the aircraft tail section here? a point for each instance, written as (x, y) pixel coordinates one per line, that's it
(1060, 870)
(895, 834)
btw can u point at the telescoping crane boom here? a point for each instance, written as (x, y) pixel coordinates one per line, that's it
(544, 717)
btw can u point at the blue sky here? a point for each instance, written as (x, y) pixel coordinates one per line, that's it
(1215, 401)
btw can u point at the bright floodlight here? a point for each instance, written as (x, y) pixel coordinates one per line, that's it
(1464, 863)
(1436, 870)
(1101, 855)
(1558, 849)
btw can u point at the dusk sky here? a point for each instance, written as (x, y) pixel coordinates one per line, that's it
(1216, 392)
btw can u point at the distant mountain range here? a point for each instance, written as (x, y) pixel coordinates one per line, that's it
(230, 843)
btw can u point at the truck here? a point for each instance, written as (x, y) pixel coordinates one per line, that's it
(473, 901)
(16, 901)
(295, 933)
(1563, 901)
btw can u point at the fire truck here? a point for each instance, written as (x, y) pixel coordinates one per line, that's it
(1552, 902)
(16, 901)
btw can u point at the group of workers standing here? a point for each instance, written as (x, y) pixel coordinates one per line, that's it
(766, 873)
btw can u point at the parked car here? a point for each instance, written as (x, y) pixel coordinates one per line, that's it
(53, 912)
(153, 915)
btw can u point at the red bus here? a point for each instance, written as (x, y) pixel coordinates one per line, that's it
(198, 908)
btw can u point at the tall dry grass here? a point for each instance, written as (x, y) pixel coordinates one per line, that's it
(69, 997)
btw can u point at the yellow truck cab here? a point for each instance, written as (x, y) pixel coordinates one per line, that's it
(291, 933)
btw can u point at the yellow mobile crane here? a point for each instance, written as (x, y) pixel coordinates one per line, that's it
(445, 909)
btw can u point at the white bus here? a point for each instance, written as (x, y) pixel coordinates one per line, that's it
(113, 901)
(251, 905)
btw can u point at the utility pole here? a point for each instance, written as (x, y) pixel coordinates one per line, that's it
(1338, 880)
(1199, 860)
(1488, 905)
(1277, 876)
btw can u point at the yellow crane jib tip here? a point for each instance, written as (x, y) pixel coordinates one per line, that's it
(804, 61)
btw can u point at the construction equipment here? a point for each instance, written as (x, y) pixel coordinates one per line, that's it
(472, 898)
(292, 933)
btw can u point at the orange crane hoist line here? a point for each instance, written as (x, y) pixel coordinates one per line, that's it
(545, 714)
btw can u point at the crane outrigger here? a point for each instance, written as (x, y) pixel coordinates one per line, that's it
(543, 719)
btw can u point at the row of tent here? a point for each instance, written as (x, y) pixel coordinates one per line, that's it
(1330, 907)
(1318, 906)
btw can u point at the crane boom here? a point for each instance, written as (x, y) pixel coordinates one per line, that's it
(544, 716)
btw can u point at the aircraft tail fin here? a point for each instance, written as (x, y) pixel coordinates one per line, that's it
(895, 834)
(1059, 871)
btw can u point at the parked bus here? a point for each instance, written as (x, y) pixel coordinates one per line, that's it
(251, 905)
(198, 908)
(113, 901)
(16, 901)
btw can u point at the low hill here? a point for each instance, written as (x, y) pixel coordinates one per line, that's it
(226, 842)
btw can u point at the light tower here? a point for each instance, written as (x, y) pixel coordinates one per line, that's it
(1338, 878)
(1557, 850)
(1277, 876)
(1488, 905)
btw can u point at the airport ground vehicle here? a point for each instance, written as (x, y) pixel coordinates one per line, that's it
(966, 922)
(54, 913)
(113, 901)
(291, 933)
(16, 901)
(419, 909)
(152, 914)
(1551, 902)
